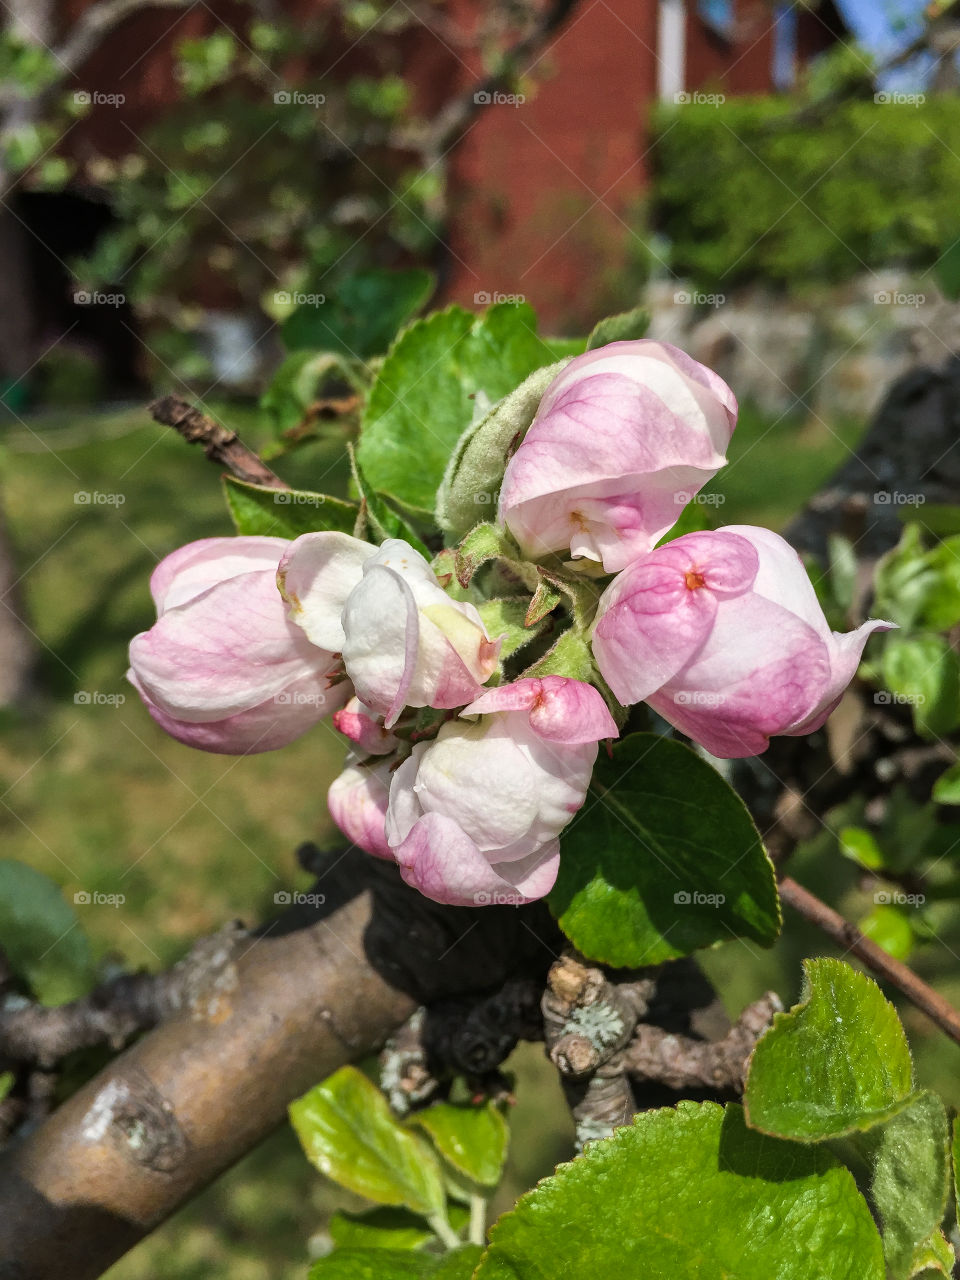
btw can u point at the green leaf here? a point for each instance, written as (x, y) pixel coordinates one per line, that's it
(837, 1063)
(690, 1194)
(348, 1131)
(299, 382)
(570, 656)
(507, 618)
(857, 844)
(363, 317)
(924, 671)
(429, 388)
(956, 1165)
(935, 1257)
(477, 463)
(662, 858)
(473, 1139)
(285, 513)
(889, 928)
(485, 542)
(911, 1179)
(383, 1228)
(625, 327)
(42, 936)
(7, 1079)
(946, 789)
(382, 521)
(545, 600)
(386, 1264)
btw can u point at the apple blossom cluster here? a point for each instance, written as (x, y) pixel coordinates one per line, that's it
(257, 639)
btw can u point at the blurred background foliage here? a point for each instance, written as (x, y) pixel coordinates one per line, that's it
(95, 798)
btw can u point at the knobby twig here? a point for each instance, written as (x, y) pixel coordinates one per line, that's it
(116, 1010)
(883, 964)
(219, 444)
(602, 1037)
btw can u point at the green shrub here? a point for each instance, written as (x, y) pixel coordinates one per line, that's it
(750, 189)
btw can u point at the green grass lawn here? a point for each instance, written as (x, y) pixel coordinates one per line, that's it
(95, 796)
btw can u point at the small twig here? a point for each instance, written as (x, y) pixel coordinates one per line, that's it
(849, 937)
(219, 444)
(118, 1009)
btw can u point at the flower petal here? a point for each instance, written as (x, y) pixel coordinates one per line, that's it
(191, 570)
(315, 576)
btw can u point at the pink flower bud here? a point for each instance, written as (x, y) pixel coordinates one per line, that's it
(723, 635)
(622, 440)
(357, 800)
(474, 815)
(360, 725)
(222, 669)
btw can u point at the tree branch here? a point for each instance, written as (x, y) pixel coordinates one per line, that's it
(96, 23)
(883, 964)
(219, 444)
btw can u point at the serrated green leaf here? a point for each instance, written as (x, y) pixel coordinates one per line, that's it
(285, 513)
(690, 1194)
(662, 858)
(385, 1264)
(381, 519)
(473, 474)
(946, 789)
(625, 327)
(473, 1139)
(507, 618)
(42, 937)
(427, 391)
(348, 1131)
(910, 1181)
(924, 671)
(383, 1228)
(364, 315)
(836, 1063)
